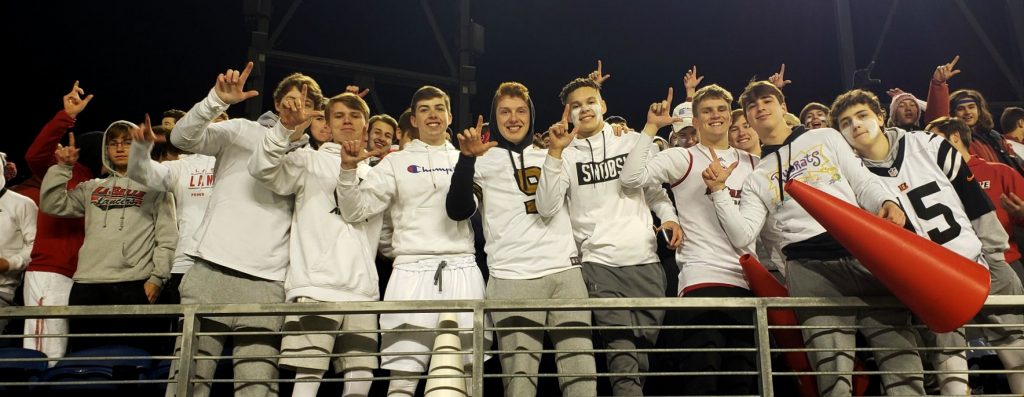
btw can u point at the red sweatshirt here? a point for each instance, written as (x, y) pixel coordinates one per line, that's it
(997, 179)
(57, 240)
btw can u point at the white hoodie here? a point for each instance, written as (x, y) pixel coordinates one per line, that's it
(413, 183)
(190, 178)
(521, 243)
(331, 260)
(706, 256)
(612, 224)
(820, 158)
(17, 233)
(246, 225)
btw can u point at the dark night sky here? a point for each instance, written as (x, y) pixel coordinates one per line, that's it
(140, 56)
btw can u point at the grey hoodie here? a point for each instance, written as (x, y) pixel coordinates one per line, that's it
(130, 231)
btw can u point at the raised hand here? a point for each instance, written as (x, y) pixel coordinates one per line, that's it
(355, 90)
(231, 83)
(73, 102)
(691, 80)
(470, 143)
(946, 71)
(353, 152)
(619, 129)
(560, 135)
(779, 79)
(144, 132)
(295, 115)
(67, 155)
(892, 212)
(715, 175)
(659, 114)
(598, 76)
(894, 92)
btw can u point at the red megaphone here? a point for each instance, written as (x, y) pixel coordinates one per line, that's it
(945, 290)
(764, 285)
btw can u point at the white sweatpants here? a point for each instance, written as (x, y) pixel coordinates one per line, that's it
(46, 289)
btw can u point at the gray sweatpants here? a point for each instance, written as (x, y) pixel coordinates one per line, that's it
(640, 281)
(208, 283)
(888, 328)
(567, 284)
(6, 299)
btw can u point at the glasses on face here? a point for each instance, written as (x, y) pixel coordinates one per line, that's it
(124, 143)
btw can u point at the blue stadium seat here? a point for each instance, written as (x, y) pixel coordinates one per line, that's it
(134, 366)
(20, 371)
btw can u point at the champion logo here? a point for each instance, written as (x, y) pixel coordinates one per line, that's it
(416, 169)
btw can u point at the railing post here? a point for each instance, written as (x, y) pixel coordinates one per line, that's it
(186, 366)
(764, 357)
(478, 349)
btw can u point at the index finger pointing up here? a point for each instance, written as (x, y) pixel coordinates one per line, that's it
(245, 73)
(714, 156)
(669, 97)
(71, 139)
(565, 115)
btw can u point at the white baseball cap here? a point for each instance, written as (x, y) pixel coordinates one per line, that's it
(685, 111)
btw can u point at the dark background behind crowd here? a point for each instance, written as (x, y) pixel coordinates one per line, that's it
(140, 57)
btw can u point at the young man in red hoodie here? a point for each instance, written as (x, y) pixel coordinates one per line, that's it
(1002, 184)
(55, 253)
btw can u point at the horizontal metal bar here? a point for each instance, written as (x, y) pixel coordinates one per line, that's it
(443, 306)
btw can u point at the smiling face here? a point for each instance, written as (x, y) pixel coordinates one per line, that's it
(712, 119)
(381, 134)
(815, 118)
(860, 125)
(513, 117)
(968, 112)
(346, 124)
(587, 110)
(765, 114)
(431, 119)
(742, 136)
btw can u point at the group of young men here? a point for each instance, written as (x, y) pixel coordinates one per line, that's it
(296, 206)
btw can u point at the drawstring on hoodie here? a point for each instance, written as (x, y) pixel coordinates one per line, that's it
(106, 208)
(788, 172)
(430, 163)
(604, 151)
(438, 275)
(516, 172)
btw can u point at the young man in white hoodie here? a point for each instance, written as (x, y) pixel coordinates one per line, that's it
(241, 251)
(530, 254)
(817, 265)
(611, 224)
(17, 234)
(331, 260)
(708, 265)
(434, 255)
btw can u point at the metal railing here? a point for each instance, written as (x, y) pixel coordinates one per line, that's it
(190, 316)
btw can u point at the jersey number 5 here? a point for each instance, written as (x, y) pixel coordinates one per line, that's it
(926, 212)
